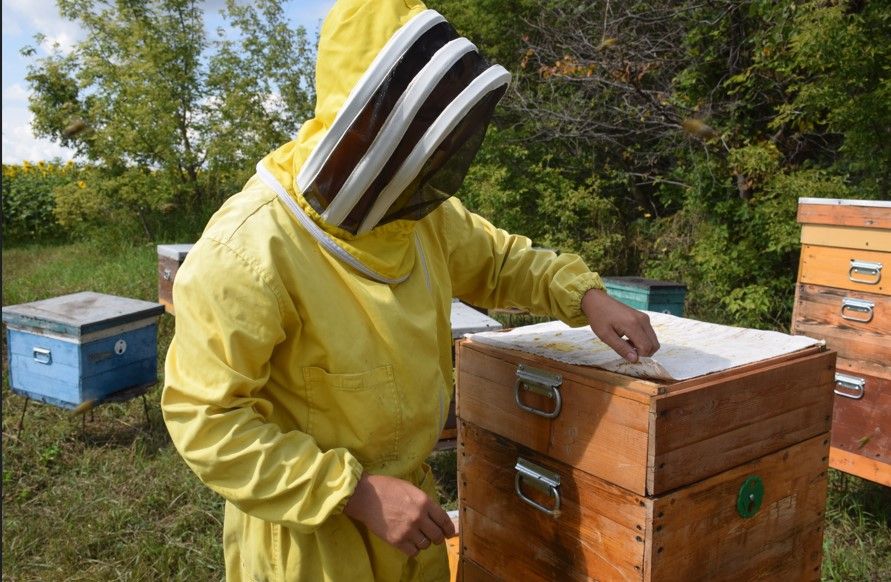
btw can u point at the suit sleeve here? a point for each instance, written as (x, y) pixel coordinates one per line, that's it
(229, 319)
(491, 268)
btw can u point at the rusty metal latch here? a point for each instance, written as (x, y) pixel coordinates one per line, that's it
(540, 382)
(540, 478)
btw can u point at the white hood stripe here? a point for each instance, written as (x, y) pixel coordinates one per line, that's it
(320, 235)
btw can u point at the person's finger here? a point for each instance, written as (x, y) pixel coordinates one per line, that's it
(618, 345)
(408, 548)
(439, 526)
(642, 342)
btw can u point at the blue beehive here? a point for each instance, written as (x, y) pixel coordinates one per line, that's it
(81, 347)
(648, 294)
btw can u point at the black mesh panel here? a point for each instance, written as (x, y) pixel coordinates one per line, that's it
(445, 170)
(456, 79)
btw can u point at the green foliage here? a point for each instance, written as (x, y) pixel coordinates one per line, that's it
(171, 119)
(497, 27)
(702, 125)
(121, 202)
(262, 88)
(529, 193)
(857, 538)
(28, 199)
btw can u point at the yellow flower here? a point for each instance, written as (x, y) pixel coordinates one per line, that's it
(81, 184)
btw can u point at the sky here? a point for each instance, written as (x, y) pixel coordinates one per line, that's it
(22, 19)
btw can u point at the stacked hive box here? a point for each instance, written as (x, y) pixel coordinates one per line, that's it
(648, 294)
(82, 347)
(170, 259)
(570, 472)
(844, 297)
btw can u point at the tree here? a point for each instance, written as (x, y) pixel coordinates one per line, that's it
(168, 120)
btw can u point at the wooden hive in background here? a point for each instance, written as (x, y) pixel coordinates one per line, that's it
(170, 259)
(843, 296)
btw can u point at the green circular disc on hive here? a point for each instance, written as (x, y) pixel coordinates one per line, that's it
(751, 494)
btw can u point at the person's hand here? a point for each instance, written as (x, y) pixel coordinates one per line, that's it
(625, 329)
(399, 513)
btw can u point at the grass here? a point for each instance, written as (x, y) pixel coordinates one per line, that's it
(106, 497)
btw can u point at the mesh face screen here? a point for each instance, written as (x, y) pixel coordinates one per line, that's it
(444, 172)
(362, 131)
(456, 79)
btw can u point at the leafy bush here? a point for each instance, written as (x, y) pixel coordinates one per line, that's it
(118, 205)
(28, 199)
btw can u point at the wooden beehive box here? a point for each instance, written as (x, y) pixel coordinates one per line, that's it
(86, 346)
(170, 259)
(843, 296)
(647, 294)
(570, 472)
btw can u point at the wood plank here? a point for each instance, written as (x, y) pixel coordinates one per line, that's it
(866, 312)
(598, 533)
(711, 379)
(470, 571)
(856, 367)
(453, 549)
(870, 239)
(597, 431)
(698, 433)
(619, 384)
(861, 426)
(868, 348)
(829, 267)
(699, 535)
(863, 214)
(860, 466)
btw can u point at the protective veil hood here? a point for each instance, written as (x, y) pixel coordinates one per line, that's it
(403, 103)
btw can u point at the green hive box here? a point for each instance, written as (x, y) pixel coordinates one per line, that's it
(647, 294)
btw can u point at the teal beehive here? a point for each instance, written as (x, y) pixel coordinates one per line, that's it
(81, 347)
(648, 294)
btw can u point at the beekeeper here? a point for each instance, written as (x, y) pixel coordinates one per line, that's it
(310, 373)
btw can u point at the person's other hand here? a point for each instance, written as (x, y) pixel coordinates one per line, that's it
(625, 329)
(399, 513)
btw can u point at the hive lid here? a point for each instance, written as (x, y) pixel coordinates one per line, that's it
(844, 212)
(177, 252)
(79, 314)
(641, 283)
(690, 348)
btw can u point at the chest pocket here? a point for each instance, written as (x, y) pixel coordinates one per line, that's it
(361, 412)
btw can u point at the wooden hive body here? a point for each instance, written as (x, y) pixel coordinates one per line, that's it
(80, 347)
(843, 296)
(650, 473)
(170, 259)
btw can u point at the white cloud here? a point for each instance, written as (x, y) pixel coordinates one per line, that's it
(19, 144)
(15, 94)
(28, 17)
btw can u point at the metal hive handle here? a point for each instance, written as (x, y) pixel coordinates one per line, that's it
(539, 382)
